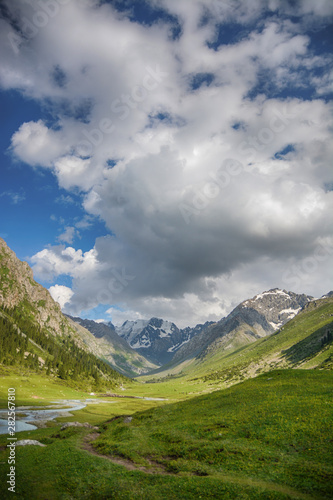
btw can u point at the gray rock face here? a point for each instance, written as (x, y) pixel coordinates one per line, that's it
(100, 330)
(17, 285)
(277, 306)
(29, 442)
(156, 339)
(78, 424)
(109, 345)
(252, 319)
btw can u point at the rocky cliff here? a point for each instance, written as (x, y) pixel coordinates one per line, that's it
(157, 339)
(19, 289)
(252, 319)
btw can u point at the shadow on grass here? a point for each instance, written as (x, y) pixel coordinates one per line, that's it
(310, 346)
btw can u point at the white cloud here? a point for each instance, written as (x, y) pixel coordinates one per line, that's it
(65, 200)
(68, 235)
(196, 183)
(57, 260)
(61, 294)
(74, 172)
(85, 222)
(35, 144)
(118, 317)
(15, 198)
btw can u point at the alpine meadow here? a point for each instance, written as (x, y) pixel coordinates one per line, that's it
(166, 319)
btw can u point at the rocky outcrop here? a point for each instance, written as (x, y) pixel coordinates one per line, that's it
(157, 339)
(86, 425)
(29, 442)
(19, 289)
(252, 319)
(103, 341)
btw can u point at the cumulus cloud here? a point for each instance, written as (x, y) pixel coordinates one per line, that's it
(57, 260)
(68, 235)
(206, 164)
(118, 317)
(61, 294)
(35, 144)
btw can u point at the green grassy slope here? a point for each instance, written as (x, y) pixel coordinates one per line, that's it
(304, 342)
(274, 428)
(266, 438)
(25, 347)
(109, 346)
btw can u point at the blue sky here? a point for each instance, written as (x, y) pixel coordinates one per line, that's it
(167, 158)
(36, 208)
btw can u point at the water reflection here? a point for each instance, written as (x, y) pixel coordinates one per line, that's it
(27, 416)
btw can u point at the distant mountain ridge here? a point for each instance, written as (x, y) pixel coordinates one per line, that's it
(157, 339)
(143, 346)
(162, 342)
(252, 319)
(112, 347)
(35, 335)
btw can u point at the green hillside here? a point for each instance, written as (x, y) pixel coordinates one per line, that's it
(25, 347)
(304, 342)
(266, 438)
(265, 435)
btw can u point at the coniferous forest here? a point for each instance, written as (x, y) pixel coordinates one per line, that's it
(24, 344)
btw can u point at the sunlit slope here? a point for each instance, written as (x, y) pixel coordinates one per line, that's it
(274, 428)
(304, 342)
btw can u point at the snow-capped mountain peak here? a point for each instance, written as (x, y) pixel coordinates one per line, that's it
(278, 306)
(157, 339)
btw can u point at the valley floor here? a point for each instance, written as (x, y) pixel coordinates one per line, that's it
(266, 438)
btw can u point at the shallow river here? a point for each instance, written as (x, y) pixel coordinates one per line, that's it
(26, 416)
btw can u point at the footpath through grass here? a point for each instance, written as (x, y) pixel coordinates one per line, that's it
(275, 428)
(62, 471)
(266, 438)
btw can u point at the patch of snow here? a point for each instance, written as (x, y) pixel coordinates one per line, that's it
(166, 329)
(290, 311)
(270, 292)
(276, 326)
(163, 334)
(143, 342)
(130, 329)
(177, 346)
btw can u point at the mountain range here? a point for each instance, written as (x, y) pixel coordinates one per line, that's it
(104, 342)
(252, 319)
(143, 346)
(157, 339)
(162, 342)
